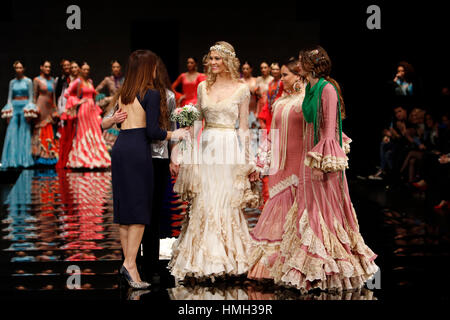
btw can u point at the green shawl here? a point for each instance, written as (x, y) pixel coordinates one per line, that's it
(312, 110)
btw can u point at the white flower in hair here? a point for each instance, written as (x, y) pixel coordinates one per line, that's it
(222, 49)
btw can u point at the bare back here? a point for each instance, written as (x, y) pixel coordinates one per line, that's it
(136, 117)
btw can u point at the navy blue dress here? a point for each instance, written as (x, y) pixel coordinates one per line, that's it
(131, 166)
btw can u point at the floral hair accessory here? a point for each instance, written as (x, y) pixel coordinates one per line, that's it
(315, 52)
(222, 49)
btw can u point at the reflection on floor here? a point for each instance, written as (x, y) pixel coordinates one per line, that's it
(412, 239)
(58, 236)
(55, 220)
(257, 292)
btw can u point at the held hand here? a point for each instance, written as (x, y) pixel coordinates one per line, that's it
(175, 157)
(180, 134)
(174, 168)
(254, 176)
(71, 112)
(181, 99)
(317, 174)
(191, 131)
(402, 127)
(444, 159)
(119, 116)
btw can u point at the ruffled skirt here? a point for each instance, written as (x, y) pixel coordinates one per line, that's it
(268, 233)
(322, 246)
(17, 144)
(88, 148)
(214, 238)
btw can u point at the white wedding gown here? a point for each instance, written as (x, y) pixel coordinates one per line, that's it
(214, 238)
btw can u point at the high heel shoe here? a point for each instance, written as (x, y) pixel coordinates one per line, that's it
(421, 187)
(133, 284)
(442, 204)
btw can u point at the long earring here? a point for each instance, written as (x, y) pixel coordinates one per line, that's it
(297, 86)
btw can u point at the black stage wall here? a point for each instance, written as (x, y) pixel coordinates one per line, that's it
(33, 31)
(363, 59)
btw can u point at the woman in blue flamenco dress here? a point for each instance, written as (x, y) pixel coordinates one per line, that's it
(19, 110)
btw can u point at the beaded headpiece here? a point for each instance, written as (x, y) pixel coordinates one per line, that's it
(222, 49)
(315, 52)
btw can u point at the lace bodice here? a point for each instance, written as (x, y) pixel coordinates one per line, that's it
(226, 111)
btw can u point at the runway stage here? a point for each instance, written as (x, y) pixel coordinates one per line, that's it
(58, 225)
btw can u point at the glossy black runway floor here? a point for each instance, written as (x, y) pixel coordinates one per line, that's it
(58, 242)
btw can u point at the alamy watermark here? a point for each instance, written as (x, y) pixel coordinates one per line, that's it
(229, 146)
(375, 281)
(374, 20)
(74, 20)
(74, 280)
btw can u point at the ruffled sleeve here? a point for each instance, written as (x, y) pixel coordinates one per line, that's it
(7, 110)
(244, 133)
(346, 143)
(327, 155)
(247, 194)
(30, 110)
(71, 94)
(187, 184)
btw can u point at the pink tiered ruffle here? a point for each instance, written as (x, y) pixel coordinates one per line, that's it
(327, 156)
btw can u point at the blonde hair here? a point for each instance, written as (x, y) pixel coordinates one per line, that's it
(230, 61)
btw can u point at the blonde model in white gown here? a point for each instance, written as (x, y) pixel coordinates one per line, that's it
(214, 238)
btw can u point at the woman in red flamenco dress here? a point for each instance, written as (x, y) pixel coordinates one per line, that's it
(69, 129)
(189, 81)
(88, 148)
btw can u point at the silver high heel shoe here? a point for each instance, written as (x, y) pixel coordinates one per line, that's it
(133, 284)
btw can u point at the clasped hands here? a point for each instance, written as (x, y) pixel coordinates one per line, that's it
(254, 176)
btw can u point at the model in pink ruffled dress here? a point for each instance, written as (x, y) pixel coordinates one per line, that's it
(284, 160)
(322, 246)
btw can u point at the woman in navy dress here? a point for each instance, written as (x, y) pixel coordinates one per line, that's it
(144, 101)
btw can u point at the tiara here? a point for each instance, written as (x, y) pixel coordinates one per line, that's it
(222, 49)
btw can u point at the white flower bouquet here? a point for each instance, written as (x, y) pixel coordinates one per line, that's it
(185, 116)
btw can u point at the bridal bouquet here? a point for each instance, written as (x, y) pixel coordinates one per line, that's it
(185, 116)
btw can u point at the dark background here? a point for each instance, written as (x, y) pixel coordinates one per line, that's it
(363, 60)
